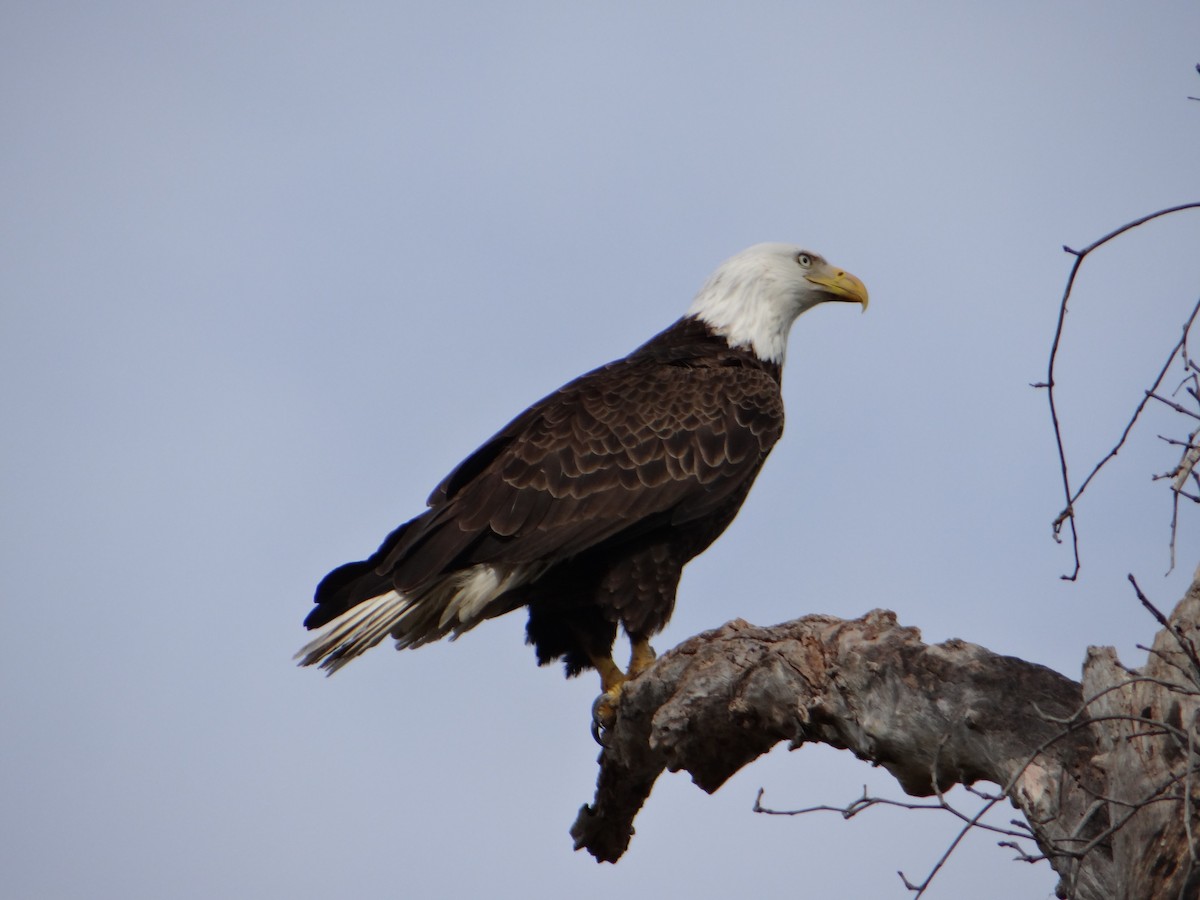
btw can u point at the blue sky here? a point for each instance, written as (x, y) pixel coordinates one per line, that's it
(268, 271)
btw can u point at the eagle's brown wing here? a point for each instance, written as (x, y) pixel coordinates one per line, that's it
(626, 448)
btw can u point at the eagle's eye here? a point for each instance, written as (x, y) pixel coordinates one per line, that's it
(804, 260)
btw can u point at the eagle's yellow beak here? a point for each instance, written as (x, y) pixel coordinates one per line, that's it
(842, 285)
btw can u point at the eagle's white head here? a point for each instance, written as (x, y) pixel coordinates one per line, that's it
(753, 298)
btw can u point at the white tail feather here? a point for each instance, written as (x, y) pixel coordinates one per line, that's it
(355, 631)
(455, 604)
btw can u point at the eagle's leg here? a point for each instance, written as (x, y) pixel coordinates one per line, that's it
(604, 710)
(641, 658)
(611, 676)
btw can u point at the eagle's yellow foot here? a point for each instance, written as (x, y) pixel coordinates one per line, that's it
(604, 710)
(612, 681)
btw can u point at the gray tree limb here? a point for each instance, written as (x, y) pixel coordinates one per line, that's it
(1104, 770)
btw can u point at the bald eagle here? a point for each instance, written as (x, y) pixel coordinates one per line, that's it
(585, 507)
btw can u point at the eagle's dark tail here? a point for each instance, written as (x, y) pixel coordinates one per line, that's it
(354, 583)
(343, 589)
(363, 606)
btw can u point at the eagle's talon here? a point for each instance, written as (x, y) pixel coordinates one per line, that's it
(604, 714)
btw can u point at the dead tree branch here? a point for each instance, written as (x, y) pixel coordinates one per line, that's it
(1103, 770)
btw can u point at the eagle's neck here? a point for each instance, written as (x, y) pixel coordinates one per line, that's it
(749, 309)
(693, 342)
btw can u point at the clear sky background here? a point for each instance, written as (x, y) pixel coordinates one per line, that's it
(269, 270)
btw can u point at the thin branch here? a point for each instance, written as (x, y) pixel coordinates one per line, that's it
(1072, 496)
(1168, 660)
(1022, 855)
(865, 802)
(949, 850)
(1175, 406)
(1135, 808)
(1184, 642)
(1077, 719)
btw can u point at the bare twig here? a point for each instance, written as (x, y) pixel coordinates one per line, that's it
(1185, 643)
(1171, 403)
(937, 867)
(1067, 516)
(865, 802)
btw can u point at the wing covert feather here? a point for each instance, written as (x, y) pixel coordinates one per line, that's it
(616, 447)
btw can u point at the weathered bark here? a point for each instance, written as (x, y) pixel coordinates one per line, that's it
(1099, 769)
